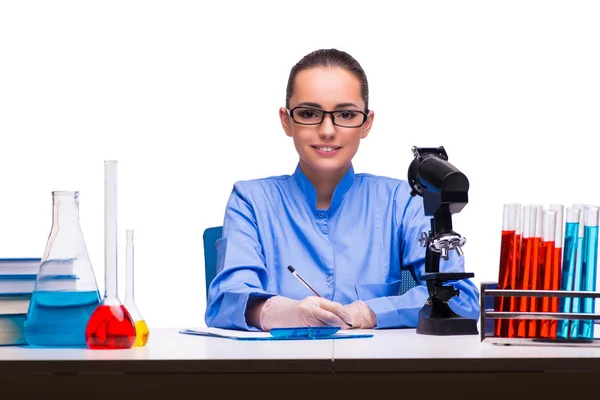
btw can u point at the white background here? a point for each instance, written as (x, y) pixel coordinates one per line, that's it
(185, 95)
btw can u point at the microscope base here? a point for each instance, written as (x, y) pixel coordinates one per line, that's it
(448, 325)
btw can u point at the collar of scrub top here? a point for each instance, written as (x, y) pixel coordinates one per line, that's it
(309, 191)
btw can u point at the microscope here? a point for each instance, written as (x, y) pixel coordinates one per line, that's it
(444, 190)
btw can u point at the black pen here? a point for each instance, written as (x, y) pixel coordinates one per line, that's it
(293, 271)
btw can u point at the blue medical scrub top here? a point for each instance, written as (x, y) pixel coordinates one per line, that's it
(354, 250)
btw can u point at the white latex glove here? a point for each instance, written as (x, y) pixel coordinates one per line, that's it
(360, 315)
(283, 312)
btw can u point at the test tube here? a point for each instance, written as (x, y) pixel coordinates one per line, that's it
(515, 282)
(588, 269)
(534, 268)
(578, 276)
(506, 268)
(547, 255)
(568, 268)
(556, 263)
(598, 276)
(525, 265)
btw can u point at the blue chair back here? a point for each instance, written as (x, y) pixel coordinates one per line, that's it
(211, 235)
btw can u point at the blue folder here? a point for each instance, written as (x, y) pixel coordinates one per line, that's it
(301, 333)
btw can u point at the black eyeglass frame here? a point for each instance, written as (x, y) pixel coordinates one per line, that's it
(291, 114)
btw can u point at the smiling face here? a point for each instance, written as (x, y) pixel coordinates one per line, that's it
(325, 149)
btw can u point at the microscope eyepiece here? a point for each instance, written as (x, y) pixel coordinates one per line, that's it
(443, 187)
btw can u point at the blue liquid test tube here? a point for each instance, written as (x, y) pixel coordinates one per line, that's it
(568, 268)
(589, 264)
(578, 279)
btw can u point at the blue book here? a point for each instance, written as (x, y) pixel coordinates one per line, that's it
(14, 304)
(19, 266)
(11, 329)
(14, 286)
(23, 277)
(18, 275)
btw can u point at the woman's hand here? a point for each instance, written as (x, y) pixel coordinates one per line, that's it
(360, 315)
(282, 312)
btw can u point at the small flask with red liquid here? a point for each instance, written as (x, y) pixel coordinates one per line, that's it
(110, 326)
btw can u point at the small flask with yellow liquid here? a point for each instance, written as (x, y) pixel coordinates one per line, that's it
(142, 333)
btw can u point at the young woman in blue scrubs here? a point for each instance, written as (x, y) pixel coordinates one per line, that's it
(347, 234)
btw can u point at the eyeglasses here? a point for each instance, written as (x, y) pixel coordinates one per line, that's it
(314, 116)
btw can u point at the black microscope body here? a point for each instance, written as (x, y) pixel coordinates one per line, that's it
(445, 192)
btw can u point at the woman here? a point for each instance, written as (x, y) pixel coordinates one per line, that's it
(348, 235)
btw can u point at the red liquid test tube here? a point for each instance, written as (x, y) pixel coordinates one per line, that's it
(525, 267)
(515, 282)
(534, 269)
(556, 263)
(547, 267)
(507, 262)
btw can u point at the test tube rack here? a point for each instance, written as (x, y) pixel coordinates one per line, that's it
(487, 316)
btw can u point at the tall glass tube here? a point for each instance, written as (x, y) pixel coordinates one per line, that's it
(546, 266)
(578, 275)
(597, 301)
(110, 233)
(589, 264)
(142, 333)
(509, 226)
(111, 325)
(525, 267)
(515, 282)
(556, 263)
(534, 269)
(568, 268)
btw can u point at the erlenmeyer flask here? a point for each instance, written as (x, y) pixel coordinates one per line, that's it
(111, 325)
(65, 292)
(141, 328)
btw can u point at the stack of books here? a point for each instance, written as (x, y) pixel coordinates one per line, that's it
(17, 281)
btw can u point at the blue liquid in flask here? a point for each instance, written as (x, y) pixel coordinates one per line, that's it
(59, 319)
(65, 293)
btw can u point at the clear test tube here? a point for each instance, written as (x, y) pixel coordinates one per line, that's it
(568, 268)
(506, 267)
(534, 268)
(588, 269)
(525, 265)
(556, 263)
(547, 255)
(578, 276)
